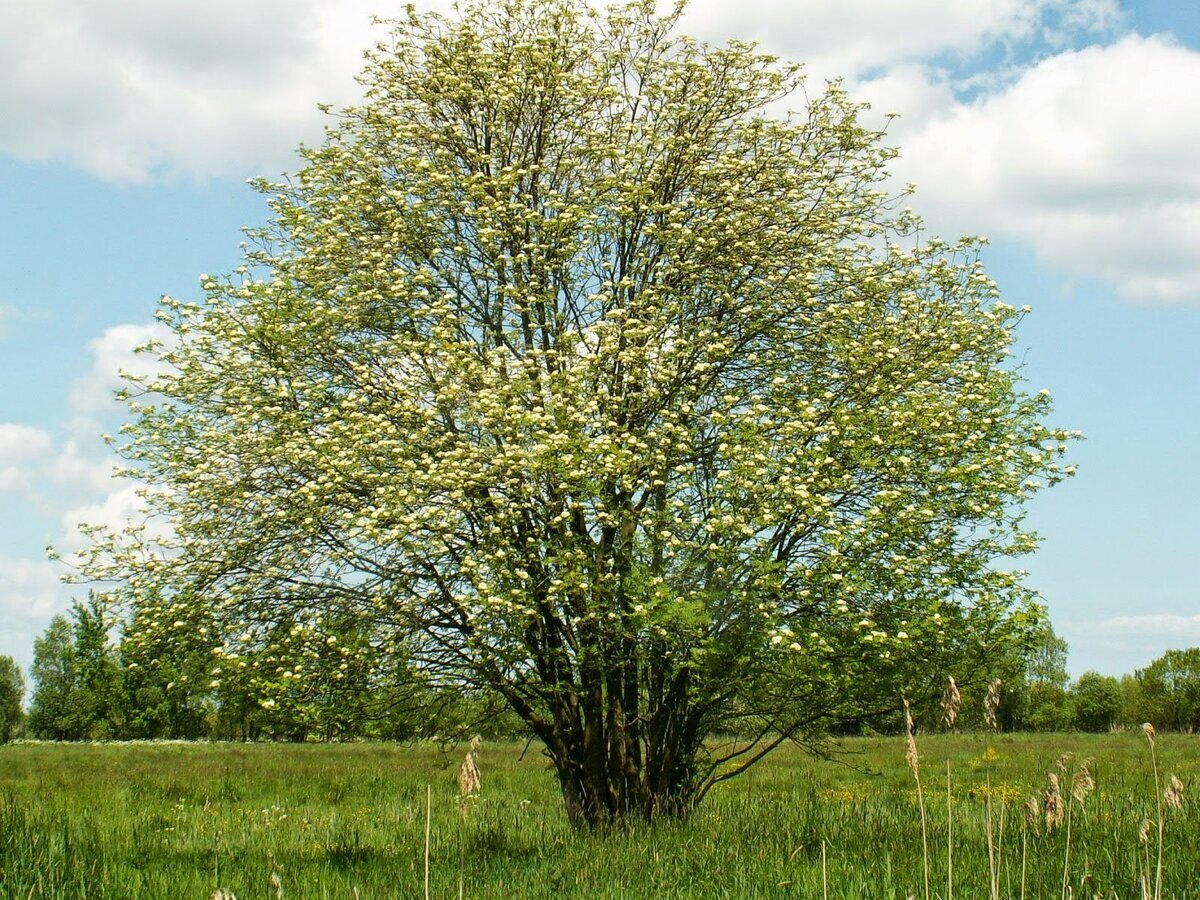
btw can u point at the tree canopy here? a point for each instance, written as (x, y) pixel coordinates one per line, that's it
(12, 692)
(1170, 689)
(568, 369)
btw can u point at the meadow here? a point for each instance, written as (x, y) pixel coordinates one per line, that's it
(349, 821)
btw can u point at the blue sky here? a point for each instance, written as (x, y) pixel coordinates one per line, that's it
(1064, 130)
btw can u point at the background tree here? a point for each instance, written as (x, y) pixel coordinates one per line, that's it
(52, 710)
(1042, 684)
(1133, 706)
(573, 376)
(78, 690)
(99, 690)
(168, 693)
(12, 693)
(1095, 702)
(1170, 690)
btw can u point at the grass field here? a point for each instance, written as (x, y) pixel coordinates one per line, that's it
(178, 821)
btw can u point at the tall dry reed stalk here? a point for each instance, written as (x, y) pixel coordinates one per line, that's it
(1052, 803)
(914, 765)
(949, 836)
(1144, 839)
(1082, 784)
(991, 704)
(1033, 813)
(428, 824)
(1151, 737)
(951, 701)
(991, 710)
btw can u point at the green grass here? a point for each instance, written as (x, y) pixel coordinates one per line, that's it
(178, 820)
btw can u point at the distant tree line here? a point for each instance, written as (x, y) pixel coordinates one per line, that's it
(97, 679)
(92, 680)
(1037, 694)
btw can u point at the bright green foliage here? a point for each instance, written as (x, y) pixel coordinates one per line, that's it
(99, 695)
(1170, 690)
(54, 678)
(166, 683)
(78, 689)
(567, 372)
(1095, 702)
(1133, 710)
(1037, 689)
(12, 692)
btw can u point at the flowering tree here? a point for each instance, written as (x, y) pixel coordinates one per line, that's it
(570, 373)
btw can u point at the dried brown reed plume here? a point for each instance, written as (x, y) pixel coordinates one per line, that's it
(991, 704)
(1033, 811)
(910, 755)
(951, 700)
(468, 778)
(1150, 732)
(1052, 803)
(222, 894)
(1173, 795)
(1082, 784)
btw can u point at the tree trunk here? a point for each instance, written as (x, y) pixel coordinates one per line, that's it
(612, 770)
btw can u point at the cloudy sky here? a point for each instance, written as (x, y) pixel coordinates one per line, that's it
(1064, 130)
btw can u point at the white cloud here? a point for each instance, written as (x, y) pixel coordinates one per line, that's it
(81, 471)
(63, 482)
(1088, 158)
(22, 450)
(850, 38)
(1185, 629)
(31, 457)
(93, 395)
(1121, 644)
(23, 442)
(30, 594)
(124, 88)
(1086, 155)
(129, 88)
(119, 507)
